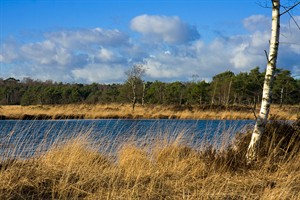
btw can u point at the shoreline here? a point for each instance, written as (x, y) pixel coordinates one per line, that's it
(124, 111)
(162, 165)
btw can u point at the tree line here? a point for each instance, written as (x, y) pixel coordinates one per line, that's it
(225, 89)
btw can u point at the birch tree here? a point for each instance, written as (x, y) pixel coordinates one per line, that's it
(134, 76)
(268, 82)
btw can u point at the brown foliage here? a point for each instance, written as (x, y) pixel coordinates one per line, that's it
(160, 170)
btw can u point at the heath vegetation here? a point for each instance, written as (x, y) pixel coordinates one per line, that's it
(124, 111)
(168, 167)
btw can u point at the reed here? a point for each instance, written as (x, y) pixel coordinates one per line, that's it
(122, 111)
(167, 166)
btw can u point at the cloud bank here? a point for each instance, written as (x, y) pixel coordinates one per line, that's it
(164, 29)
(169, 48)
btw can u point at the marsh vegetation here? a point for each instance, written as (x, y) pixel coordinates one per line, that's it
(165, 167)
(124, 111)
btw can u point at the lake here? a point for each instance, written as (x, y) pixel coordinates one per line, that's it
(23, 138)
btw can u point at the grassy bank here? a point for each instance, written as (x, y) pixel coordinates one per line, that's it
(165, 168)
(119, 111)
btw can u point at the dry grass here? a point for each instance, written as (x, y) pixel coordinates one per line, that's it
(163, 169)
(86, 111)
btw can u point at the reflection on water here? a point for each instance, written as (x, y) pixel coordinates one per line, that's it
(24, 138)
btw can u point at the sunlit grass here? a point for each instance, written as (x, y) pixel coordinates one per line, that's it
(165, 166)
(87, 111)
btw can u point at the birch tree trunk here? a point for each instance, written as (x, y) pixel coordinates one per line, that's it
(143, 95)
(268, 83)
(133, 87)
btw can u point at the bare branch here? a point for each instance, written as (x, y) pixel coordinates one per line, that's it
(263, 6)
(267, 56)
(253, 110)
(294, 20)
(290, 8)
(289, 43)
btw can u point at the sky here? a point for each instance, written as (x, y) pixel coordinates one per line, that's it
(86, 41)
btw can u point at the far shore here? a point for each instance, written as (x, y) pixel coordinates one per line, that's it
(124, 111)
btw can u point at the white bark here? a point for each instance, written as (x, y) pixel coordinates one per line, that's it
(143, 96)
(268, 82)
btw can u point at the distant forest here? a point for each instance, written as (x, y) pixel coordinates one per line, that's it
(225, 88)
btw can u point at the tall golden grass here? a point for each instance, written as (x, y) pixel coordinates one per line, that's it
(88, 111)
(165, 168)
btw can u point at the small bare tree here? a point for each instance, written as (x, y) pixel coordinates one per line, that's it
(134, 76)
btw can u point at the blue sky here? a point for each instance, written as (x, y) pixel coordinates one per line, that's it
(97, 41)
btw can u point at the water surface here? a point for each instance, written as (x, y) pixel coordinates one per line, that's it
(24, 137)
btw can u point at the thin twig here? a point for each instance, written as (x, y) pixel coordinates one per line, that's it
(290, 8)
(289, 43)
(253, 110)
(294, 20)
(263, 6)
(267, 56)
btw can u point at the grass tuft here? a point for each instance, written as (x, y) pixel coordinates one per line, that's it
(162, 169)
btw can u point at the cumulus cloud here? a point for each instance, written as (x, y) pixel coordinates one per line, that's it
(257, 22)
(99, 73)
(59, 54)
(83, 38)
(173, 51)
(45, 53)
(164, 28)
(250, 51)
(80, 60)
(291, 35)
(236, 53)
(9, 52)
(182, 62)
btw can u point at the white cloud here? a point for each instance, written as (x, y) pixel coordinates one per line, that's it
(236, 53)
(184, 61)
(9, 52)
(248, 52)
(66, 55)
(164, 28)
(84, 38)
(173, 52)
(257, 22)
(260, 39)
(290, 35)
(99, 73)
(105, 54)
(45, 53)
